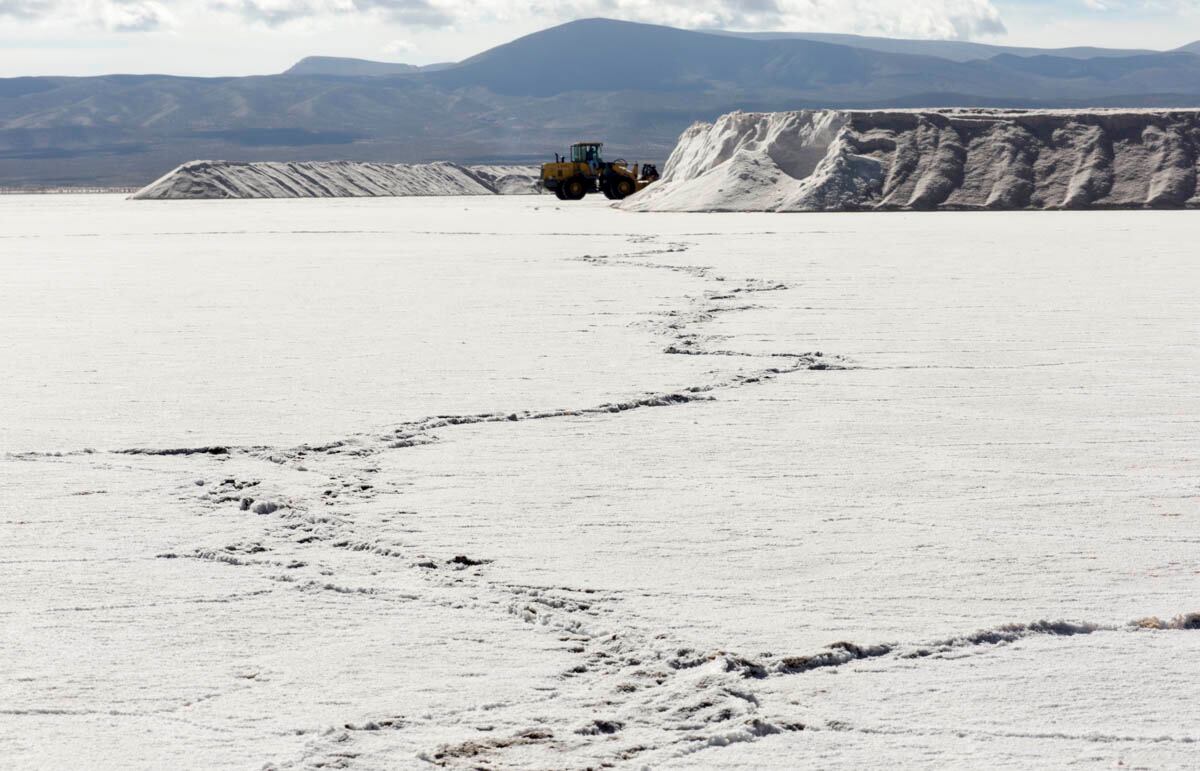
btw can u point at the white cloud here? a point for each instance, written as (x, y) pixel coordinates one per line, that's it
(1145, 7)
(415, 13)
(131, 15)
(957, 19)
(26, 9)
(398, 48)
(111, 15)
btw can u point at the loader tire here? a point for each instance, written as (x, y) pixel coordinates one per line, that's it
(559, 194)
(574, 189)
(622, 188)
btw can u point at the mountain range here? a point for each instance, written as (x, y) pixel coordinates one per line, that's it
(522, 101)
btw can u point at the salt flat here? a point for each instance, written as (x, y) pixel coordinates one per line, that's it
(506, 482)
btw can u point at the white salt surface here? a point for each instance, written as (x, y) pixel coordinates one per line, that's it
(999, 429)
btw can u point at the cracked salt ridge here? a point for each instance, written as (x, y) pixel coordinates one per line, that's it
(214, 450)
(613, 655)
(843, 726)
(534, 605)
(713, 719)
(415, 433)
(723, 705)
(714, 694)
(845, 652)
(637, 667)
(643, 671)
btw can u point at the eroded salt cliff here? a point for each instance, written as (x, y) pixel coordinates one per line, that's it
(827, 160)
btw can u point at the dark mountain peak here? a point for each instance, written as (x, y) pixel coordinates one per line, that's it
(337, 65)
(636, 57)
(595, 34)
(600, 24)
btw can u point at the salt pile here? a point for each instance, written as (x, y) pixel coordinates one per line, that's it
(509, 180)
(337, 179)
(827, 160)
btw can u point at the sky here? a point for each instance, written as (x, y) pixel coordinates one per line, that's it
(246, 37)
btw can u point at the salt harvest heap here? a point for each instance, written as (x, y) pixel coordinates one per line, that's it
(337, 179)
(830, 160)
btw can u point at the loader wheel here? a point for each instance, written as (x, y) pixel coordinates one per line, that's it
(622, 187)
(559, 194)
(607, 190)
(574, 189)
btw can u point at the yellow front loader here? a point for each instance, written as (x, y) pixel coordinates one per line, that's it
(584, 171)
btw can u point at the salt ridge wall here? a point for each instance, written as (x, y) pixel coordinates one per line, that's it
(337, 179)
(827, 160)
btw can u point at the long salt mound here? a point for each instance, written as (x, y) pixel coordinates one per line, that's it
(337, 179)
(828, 160)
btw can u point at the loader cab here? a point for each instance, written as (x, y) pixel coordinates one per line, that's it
(586, 152)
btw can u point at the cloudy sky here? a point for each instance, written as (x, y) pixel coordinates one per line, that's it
(227, 37)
